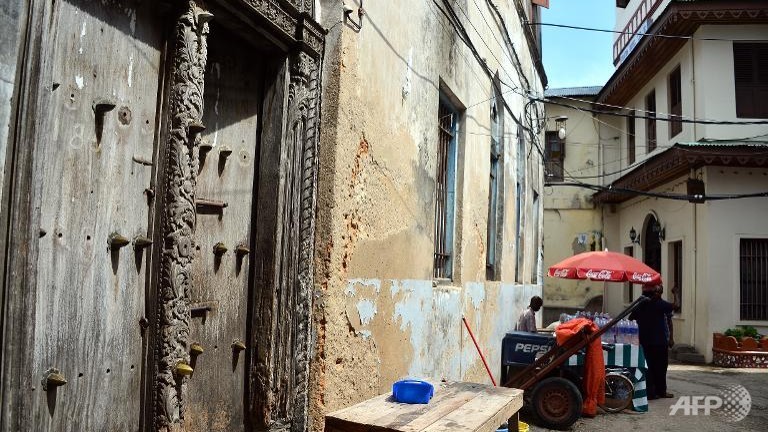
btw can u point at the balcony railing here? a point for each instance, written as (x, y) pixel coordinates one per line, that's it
(638, 23)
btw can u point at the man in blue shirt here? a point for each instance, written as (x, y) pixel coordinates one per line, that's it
(654, 320)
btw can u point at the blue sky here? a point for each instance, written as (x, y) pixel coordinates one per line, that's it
(575, 58)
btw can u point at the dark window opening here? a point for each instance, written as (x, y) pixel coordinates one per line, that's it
(629, 288)
(676, 270)
(445, 185)
(753, 275)
(650, 122)
(750, 64)
(495, 190)
(675, 103)
(554, 151)
(631, 138)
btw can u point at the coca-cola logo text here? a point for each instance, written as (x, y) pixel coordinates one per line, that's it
(642, 277)
(599, 275)
(561, 273)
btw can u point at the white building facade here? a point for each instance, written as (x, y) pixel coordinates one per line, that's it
(686, 197)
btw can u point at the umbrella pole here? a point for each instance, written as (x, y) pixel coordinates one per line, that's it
(605, 295)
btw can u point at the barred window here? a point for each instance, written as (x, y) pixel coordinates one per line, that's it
(675, 102)
(631, 138)
(650, 121)
(445, 193)
(750, 68)
(753, 274)
(495, 189)
(554, 150)
(676, 274)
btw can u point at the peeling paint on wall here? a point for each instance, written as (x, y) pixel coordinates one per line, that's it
(476, 293)
(429, 319)
(366, 309)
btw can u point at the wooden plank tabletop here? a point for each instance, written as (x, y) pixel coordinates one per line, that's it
(456, 407)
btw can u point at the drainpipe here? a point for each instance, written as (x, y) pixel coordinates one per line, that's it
(695, 272)
(695, 214)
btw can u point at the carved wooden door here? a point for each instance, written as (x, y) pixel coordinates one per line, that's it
(94, 168)
(223, 235)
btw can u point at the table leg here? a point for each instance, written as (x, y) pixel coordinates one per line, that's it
(514, 422)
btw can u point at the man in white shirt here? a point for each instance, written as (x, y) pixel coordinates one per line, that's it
(527, 320)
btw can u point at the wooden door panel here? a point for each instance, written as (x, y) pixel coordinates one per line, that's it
(97, 158)
(215, 393)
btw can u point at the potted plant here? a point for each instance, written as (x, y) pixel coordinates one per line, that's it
(745, 337)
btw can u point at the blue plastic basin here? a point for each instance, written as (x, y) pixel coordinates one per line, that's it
(412, 391)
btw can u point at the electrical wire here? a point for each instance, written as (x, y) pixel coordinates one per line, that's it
(456, 22)
(679, 119)
(449, 32)
(656, 35)
(654, 114)
(461, 31)
(662, 195)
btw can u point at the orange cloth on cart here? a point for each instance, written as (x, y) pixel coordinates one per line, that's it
(594, 363)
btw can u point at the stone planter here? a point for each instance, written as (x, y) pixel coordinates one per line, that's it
(727, 351)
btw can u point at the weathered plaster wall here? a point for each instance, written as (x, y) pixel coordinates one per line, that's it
(379, 316)
(710, 241)
(718, 282)
(572, 223)
(715, 82)
(677, 217)
(707, 79)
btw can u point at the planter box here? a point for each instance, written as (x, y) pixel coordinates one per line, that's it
(727, 351)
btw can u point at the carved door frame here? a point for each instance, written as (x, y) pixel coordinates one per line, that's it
(279, 333)
(280, 336)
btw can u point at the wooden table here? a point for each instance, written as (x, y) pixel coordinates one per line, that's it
(456, 407)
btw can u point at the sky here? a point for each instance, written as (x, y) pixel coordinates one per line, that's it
(574, 58)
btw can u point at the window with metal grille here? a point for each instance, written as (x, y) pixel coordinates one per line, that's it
(535, 240)
(445, 193)
(520, 204)
(675, 102)
(676, 274)
(495, 190)
(750, 69)
(554, 151)
(753, 275)
(631, 138)
(650, 121)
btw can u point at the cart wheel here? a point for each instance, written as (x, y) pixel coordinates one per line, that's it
(556, 402)
(618, 393)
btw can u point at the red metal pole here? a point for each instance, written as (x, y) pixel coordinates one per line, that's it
(479, 351)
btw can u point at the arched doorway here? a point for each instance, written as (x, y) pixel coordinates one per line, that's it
(651, 243)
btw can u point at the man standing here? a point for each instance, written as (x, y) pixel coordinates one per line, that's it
(527, 320)
(654, 320)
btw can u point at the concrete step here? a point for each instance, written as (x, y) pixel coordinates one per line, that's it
(690, 357)
(682, 348)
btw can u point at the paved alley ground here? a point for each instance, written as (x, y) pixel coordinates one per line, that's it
(685, 380)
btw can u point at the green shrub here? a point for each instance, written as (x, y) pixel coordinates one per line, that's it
(750, 331)
(743, 331)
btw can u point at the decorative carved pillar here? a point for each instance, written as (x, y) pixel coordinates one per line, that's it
(178, 218)
(303, 101)
(281, 377)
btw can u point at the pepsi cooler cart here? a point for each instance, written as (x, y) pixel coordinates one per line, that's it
(536, 364)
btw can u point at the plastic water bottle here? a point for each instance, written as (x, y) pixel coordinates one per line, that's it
(635, 333)
(622, 332)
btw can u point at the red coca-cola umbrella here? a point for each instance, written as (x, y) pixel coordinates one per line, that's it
(605, 266)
